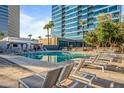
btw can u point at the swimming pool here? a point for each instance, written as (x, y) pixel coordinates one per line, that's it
(54, 57)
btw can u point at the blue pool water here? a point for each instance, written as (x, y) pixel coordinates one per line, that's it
(54, 57)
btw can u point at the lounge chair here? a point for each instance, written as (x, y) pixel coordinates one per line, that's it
(83, 75)
(97, 63)
(97, 59)
(65, 79)
(105, 58)
(110, 56)
(40, 81)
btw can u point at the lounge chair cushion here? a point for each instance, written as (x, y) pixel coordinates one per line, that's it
(70, 83)
(33, 81)
(85, 76)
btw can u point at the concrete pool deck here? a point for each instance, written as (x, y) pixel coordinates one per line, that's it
(20, 67)
(13, 68)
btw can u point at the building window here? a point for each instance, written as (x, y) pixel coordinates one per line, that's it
(113, 8)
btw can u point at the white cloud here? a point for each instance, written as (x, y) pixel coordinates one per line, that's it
(30, 25)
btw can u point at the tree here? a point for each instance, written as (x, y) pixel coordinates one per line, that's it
(92, 39)
(110, 29)
(30, 35)
(47, 28)
(39, 37)
(119, 37)
(99, 30)
(106, 32)
(51, 25)
(82, 22)
(1, 35)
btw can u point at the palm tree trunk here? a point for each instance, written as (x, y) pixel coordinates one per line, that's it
(83, 38)
(48, 36)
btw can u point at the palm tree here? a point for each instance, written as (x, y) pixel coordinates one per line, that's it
(51, 25)
(46, 26)
(82, 22)
(39, 37)
(30, 35)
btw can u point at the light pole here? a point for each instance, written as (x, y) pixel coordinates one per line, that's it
(30, 35)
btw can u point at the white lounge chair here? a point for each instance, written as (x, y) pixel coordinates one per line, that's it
(65, 81)
(59, 77)
(83, 75)
(40, 81)
(97, 63)
(105, 58)
(98, 58)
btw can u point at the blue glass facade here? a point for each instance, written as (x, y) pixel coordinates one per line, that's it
(4, 19)
(66, 18)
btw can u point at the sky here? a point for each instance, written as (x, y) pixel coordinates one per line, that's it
(32, 20)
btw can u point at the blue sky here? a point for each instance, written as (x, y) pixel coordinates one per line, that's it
(33, 18)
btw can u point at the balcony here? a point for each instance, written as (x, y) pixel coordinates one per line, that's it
(79, 7)
(88, 24)
(79, 16)
(63, 24)
(62, 34)
(63, 17)
(90, 12)
(80, 11)
(63, 8)
(90, 21)
(63, 21)
(90, 17)
(79, 27)
(63, 12)
(79, 32)
(90, 6)
(63, 29)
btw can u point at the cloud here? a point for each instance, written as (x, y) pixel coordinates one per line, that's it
(31, 25)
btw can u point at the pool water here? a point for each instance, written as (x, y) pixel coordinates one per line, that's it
(54, 57)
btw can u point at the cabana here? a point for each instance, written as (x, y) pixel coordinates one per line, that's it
(14, 44)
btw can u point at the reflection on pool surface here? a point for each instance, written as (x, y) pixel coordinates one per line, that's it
(54, 57)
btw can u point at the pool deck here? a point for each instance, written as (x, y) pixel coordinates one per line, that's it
(20, 67)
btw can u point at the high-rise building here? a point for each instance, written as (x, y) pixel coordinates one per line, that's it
(67, 18)
(10, 20)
